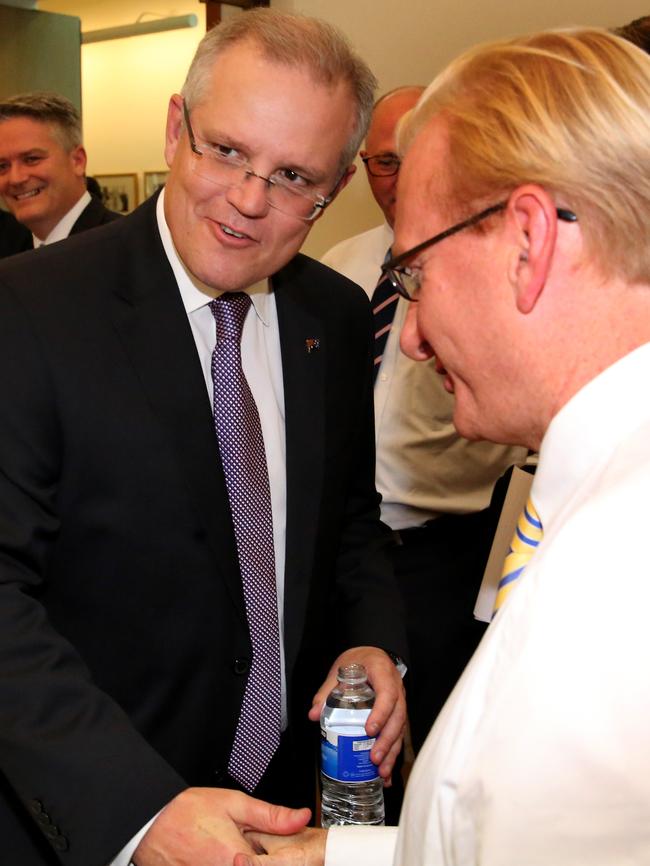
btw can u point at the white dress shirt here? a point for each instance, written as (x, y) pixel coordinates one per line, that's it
(262, 365)
(64, 226)
(424, 467)
(541, 756)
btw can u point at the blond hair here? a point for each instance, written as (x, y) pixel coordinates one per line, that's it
(295, 41)
(568, 110)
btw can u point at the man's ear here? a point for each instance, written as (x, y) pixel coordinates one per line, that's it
(174, 128)
(79, 159)
(534, 219)
(344, 181)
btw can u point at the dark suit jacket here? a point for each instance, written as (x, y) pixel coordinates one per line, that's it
(14, 237)
(123, 637)
(18, 239)
(93, 215)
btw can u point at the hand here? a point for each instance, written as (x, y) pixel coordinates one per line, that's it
(205, 827)
(387, 720)
(306, 848)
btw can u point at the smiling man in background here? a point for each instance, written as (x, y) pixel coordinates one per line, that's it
(43, 170)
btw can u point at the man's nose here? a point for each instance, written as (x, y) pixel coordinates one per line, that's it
(250, 195)
(412, 343)
(17, 174)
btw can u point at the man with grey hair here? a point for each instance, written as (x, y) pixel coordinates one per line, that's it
(189, 531)
(43, 170)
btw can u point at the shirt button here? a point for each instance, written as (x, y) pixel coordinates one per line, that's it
(241, 666)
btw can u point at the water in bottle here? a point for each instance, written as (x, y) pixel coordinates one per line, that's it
(352, 790)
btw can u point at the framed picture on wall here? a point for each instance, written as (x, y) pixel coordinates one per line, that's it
(153, 181)
(119, 191)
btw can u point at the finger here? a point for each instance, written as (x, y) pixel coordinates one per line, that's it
(306, 848)
(390, 702)
(316, 708)
(388, 763)
(293, 857)
(269, 818)
(321, 696)
(389, 740)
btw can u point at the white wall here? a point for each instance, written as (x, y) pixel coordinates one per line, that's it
(409, 42)
(127, 83)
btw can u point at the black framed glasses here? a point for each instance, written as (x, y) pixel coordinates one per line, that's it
(382, 164)
(406, 281)
(224, 167)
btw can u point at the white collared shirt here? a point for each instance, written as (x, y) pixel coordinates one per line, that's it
(64, 226)
(541, 755)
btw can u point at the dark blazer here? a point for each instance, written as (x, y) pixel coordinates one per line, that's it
(93, 215)
(123, 639)
(16, 238)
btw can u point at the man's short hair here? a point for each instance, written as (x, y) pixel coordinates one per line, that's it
(46, 108)
(637, 32)
(295, 41)
(568, 110)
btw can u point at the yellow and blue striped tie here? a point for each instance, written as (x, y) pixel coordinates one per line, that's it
(528, 535)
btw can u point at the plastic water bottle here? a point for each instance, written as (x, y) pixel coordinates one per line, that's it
(352, 790)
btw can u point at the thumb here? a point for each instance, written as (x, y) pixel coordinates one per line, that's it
(278, 820)
(317, 705)
(320, 697)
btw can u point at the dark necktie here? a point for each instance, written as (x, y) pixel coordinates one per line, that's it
(241, 447)
(384, 303)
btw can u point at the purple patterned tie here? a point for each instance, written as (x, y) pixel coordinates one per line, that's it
(241, 447)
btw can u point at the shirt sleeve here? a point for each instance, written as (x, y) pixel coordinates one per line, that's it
(125, 855)
(354, 846)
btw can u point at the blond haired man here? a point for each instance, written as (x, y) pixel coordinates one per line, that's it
(523, 233)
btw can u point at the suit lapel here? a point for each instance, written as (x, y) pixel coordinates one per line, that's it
(304, 349)
(90, 217)
(151, 322)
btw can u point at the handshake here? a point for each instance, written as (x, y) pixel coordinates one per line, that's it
(216, 827)
(219, 827)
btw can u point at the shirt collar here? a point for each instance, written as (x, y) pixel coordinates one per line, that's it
(587, 429)
(64, 226)
(196, 294)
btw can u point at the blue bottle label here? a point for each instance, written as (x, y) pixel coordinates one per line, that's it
(347, 758)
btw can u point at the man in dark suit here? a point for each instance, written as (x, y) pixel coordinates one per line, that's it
(130, 644)
(42, 171)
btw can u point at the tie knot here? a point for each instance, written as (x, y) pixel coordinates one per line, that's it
(229, 311)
